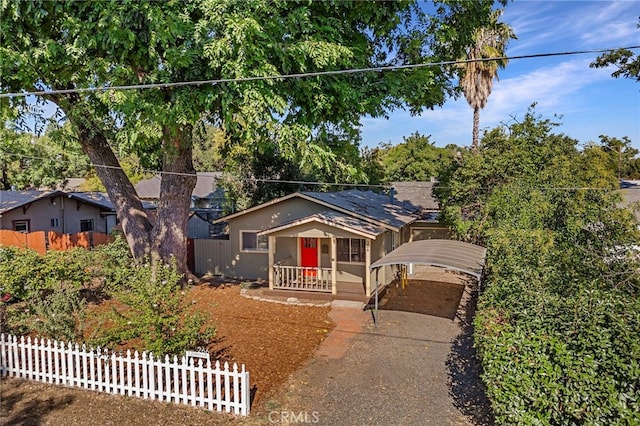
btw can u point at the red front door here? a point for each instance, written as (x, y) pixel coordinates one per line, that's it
(309, 254)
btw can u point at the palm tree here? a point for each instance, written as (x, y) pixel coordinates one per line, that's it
(477, 76)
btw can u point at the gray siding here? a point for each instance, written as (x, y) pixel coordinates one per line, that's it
(254, 265)
(429, 232)
(68, 212)
(212, 257)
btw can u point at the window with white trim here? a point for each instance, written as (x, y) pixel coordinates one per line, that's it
(55, 222)
(21, 226)
(351, 250)
(251, 241)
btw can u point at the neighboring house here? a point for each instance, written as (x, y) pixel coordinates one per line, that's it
(63, 212)
(420, 194)
(317, 241)
(207, 202)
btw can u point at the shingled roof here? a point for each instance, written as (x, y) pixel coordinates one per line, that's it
(206, 186)
(418, 193)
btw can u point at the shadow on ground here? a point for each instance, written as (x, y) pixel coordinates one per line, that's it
(27, 409)
(465, 385)
(439, 299)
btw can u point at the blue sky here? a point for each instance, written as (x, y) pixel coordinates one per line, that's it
(590, 101)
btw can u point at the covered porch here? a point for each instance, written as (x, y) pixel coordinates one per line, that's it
(321, 254)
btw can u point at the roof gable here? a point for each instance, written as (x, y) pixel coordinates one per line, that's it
(366, 205)
(97, 199)
(10, 200)
(334, 219)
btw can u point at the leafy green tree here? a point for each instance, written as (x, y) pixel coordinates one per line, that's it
(627, 63)
(477, 77)
(31, 161)
(525, 153)
(208, 147)
(371, 164)
(64, 46)
(621, 154)
(557, 320)
(416, 158)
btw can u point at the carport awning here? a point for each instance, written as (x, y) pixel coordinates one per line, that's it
(456, 255)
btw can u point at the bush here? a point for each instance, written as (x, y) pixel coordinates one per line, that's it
(111, 264)
(56, 314)
(554, 350)
(45, 299)
(154, 317)
(60, 315)
(25, 274)
(19, 275)
(575, 361)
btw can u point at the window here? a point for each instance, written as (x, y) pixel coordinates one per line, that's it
(21, 226)
(86, 225)
(250, 241)
(55, 222)
(351, 250)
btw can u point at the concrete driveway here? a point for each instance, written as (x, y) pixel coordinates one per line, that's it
(413, 369)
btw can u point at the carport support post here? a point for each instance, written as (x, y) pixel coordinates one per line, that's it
(375, 309)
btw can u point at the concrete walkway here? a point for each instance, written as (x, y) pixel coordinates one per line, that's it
(412, 369)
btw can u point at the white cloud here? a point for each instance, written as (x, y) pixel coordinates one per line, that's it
(587, 97)
(552, 88)
(565, 25)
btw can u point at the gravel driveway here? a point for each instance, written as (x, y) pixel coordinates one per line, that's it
(413, 369)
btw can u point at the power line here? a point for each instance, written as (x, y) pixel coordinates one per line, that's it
(299, 75)
(299, 182)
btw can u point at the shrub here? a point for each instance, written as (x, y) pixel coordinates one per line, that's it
(574, 362)
(111, 264)
(154, 317)
(25, 274)
(19, 272)
(56, 314)
(60, 315)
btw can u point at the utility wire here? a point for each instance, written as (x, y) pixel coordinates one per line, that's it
(299, 182)
(299, 75)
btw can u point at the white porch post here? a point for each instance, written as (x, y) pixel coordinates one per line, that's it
(367, 264)
(272, 252)
(334, 265)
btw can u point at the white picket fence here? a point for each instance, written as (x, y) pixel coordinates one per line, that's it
(189, 381)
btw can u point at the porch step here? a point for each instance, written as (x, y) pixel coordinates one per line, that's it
(315, 296)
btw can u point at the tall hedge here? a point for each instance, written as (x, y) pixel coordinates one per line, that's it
(558, 323)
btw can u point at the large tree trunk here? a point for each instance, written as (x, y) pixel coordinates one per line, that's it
(169, 235)
(476, 126)
(129, 210)
(166, 237)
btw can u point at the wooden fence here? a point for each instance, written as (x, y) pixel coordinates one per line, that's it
(189, 381)
(211, 256)
(42, 241)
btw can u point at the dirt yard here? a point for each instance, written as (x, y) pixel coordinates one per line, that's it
(272, 341)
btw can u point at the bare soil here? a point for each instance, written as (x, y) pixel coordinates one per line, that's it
(272, 340)
(276, 342)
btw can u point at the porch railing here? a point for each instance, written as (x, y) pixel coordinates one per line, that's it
(302, 278)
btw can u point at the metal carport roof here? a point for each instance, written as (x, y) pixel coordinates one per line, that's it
(456, 255)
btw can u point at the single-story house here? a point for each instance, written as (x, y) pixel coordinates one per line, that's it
(317, 241)
(63, 212)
